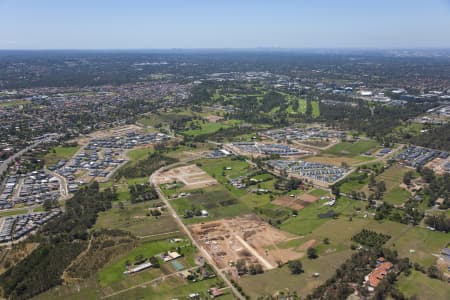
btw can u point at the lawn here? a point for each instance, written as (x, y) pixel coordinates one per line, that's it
(133, 218)
(60, 152)
(422, 286)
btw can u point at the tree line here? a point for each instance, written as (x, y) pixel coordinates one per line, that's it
(60, 242)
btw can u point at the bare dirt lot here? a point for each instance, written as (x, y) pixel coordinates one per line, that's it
(244, 238)
(117, 131)
(297, 202)
(437, 165)
(214, 118)
(191, 176)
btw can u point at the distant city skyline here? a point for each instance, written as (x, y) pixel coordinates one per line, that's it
(196, 24)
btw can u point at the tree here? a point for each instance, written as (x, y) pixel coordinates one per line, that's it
(407, 177)
(434, 272)
(312, 253)
(336, 191)
(48, 205)
(372, 181)
(295, 266)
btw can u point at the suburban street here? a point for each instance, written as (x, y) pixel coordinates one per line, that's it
(4, 165)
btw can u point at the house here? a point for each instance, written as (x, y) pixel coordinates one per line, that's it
(378, 274)
(215, 292)
(138, 268)
(171, 255)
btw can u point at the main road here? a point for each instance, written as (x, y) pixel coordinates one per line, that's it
(186, 230)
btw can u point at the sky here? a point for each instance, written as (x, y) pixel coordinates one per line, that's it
(166, 24)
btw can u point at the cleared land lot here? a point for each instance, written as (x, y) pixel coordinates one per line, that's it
(297, 202)
(245, 237)
(191, 176)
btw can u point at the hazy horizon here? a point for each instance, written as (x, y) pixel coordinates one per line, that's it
(202, 24)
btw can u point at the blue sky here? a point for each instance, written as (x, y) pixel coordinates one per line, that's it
(138, 24)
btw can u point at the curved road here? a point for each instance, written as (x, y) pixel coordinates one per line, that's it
(186, 230)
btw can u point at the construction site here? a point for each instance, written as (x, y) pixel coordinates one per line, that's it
(247, 239)
(191, 176)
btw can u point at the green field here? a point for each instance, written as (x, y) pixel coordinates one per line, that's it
(339, 232)
(281, 279)
(224, 169)
(217, 168)
(301, 106)
(352, 149)
(393, 177)
(396, 196)
(122, 185)
(13, 212)
(59, 152)
(315, 109)
(139, 154)
(5, 104)
(133, 218)
(209, 127)
(353, 183)
(422, 286)
(308, 218)
(113, 272)
(173, 288)
(219, 203)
